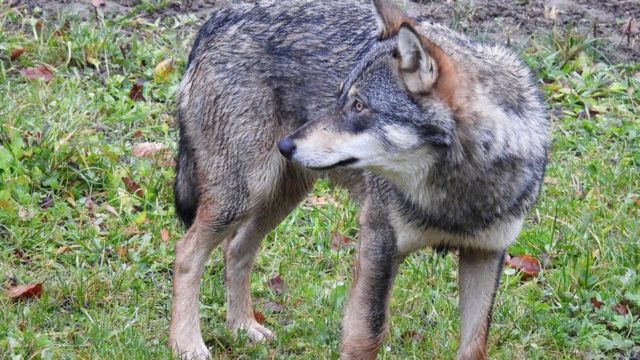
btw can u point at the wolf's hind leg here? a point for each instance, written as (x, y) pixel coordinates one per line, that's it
(240, 252)
(478, 278)
(192, 253)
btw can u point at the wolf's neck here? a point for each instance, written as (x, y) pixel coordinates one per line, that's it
(412, 181)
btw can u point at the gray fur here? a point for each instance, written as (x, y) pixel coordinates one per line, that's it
(429, 168)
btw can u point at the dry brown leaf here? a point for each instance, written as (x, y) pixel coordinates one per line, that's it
(631, 27)
(132, 186)
(26, 214)
(552, 13)
(320, 201)
(620, 309)
(16, 53)
(63, 249)
(259, 316)
(47, 202)
(164, 235)
(147, 149)
(98, 3)
(412, 335)
(37, 73)
(168, 163)
(551, 181)
(111, 210)
(132, 230)
(135, 93)
(138, 134)
(339, 241)
(276, 284)
(596, 303)
(29, 291)
(274, 307)
(123, 251)
(528, 265)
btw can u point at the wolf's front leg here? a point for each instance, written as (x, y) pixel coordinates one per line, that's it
(366, 315)
(478, 280)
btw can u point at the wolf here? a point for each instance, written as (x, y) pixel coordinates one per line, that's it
(442, 140)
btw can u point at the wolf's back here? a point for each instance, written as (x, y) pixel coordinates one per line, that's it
(295, 51)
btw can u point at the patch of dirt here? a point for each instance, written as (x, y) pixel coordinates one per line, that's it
(516, 21)
(505, 21)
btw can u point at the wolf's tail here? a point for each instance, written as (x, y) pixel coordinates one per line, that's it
(185, 188)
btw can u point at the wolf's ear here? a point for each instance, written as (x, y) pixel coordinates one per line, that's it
(389, 18)
(423, 66)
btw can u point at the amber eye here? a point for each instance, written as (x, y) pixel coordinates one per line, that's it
(358, 105)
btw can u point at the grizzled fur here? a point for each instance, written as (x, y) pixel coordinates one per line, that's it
(442, 140)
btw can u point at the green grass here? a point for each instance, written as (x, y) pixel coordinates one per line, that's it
(67, 219)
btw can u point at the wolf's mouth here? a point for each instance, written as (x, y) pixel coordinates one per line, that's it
(344, 162)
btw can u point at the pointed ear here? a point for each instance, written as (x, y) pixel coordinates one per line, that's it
(423, 66)
(389, 18)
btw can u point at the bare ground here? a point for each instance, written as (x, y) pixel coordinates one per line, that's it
(507, 21)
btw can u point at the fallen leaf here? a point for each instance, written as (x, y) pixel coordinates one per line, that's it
(90, 205)
(147, 149)
(98, 3)
(132, 186)
(138, 134)
(551, 181)
(320, 201)
(135, 93)
(339, 241)
(16, 53)
(29, 291)
(412, 335)
(596, 303)
(37, 73)
(66, 139)
(123, 251)
(163, 70)
(631, 27)
(132, 230)
(259, 316)
(551, 13)
(24, 259)
(528, 265)
(598, 109)
(25, 214)
(274, 307)
(620, 309)
(47, 202)
(111, 210)
(276, 284)
(63, 249)
(164, 235)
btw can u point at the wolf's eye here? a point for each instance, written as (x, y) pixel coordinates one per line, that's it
(358, 105)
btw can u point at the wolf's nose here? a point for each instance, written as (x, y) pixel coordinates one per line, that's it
(287, 147)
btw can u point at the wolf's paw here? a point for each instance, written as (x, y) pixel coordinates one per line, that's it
(191, 350)
(255, 331)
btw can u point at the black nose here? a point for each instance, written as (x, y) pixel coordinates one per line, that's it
(287, 147)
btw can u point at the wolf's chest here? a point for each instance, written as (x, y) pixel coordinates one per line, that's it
(411, 236)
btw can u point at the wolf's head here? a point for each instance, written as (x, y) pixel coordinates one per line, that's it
(394, 111)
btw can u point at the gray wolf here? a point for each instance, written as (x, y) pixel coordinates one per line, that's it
(442, 140)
